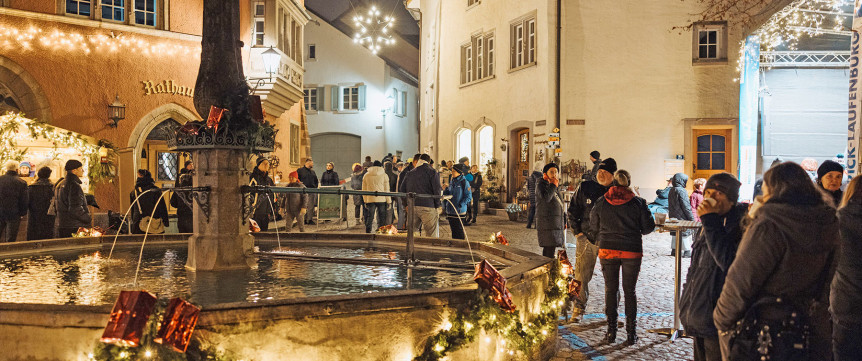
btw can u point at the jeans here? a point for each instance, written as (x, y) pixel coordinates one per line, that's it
(402, 215)
(456, 226)
(371, 209)
(9, 229)
(429, 218)
(631, 267)
(531, 215)
(585, 265)
(706, 349)
(846, 340)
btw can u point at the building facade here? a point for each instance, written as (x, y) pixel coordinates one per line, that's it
(357, 104)
(65, 62)
(655, 98)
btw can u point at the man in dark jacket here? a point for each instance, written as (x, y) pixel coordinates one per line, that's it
(424, 180)
(475, 187)
(40, 225)
(532, 180)
(399, 187)
(596, 158)
(679, 207)
(712, 254)
(13, 202)
(309, 179)
(587, 195)
(70, 201)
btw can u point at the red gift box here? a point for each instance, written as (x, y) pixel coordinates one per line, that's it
(215, 117)
(490, 279)
(501, 239)
(178, 324)
(574, 288)
(128, 318)
(564, 262)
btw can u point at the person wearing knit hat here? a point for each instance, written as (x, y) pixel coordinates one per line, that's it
(464, 161)
(595, 157)
(71, 203)
(550, 212)
(264, 204)
(829, 177)
(580, 207)
(712, 254)
(294, 205)
(73, 164)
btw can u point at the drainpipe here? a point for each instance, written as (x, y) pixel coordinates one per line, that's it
(558, 70)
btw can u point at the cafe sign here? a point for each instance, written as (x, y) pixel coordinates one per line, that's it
(167, 87)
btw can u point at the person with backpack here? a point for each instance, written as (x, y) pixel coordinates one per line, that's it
(781, 274)
(456, 207)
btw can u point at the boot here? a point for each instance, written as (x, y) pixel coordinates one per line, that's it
(631, 333)
(631, 339)
(611, 336)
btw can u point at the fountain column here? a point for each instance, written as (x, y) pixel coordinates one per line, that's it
(222, 241)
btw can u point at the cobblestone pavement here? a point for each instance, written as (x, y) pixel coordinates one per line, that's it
(583, 341)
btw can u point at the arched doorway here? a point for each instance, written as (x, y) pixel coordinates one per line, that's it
(162, 162)
(20, 92)
(519, 159)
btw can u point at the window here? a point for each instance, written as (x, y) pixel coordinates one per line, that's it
(477, 58)
(259, 12)
(711, 151)
(145, 12)
(114, 10)
(294, 144)
(464, 143)
(168, 166)
(486, 146)
(312, 52)
(523, 43)
(78, 7)
(710, 42)
(297, 43)
(403, 104)
(310, 99)
(350, 98)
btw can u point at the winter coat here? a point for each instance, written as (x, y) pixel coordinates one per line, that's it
(679, 206)
(307, 177)
(531, 185)
(589, 192)
(695, 199)
(264, 203)
(459, 189)
(619, 219)
(293, 203)
(185, 217)
(39, 224)
(329, 178)
(784, 253)
(712, 254)
(376, 180)
(846, 291)
(71, 203)
(356, 184)
(836, 195)
(393, 176)
(401, 176)
(550, 218)
(594, 172)
(147, 201)
(13, 196)
(476, 183)
(424, 180)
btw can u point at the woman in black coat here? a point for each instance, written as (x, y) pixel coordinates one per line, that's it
(264, 205)
(150, 198)
(620, 219)
(550, 217)
(846, 294)
(40, 225)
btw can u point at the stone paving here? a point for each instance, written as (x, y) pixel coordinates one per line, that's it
(583, 341)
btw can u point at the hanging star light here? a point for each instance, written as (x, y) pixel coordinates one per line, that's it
(372, 31)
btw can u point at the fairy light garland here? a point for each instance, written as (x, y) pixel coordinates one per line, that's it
(36, 38)
(484, 315)
(800, 18)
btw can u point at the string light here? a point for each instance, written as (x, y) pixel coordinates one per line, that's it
(36, 38)
(373, 31)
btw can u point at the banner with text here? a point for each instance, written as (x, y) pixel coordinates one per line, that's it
(853, 102)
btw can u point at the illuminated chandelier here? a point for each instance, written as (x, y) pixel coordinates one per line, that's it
(372, 31)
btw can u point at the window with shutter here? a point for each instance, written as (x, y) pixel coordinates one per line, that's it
(523, 42)
(477, 58)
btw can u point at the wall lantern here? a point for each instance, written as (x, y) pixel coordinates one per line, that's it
(271, 61)
(116, 112)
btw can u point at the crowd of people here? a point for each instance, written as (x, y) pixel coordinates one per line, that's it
(786, 266)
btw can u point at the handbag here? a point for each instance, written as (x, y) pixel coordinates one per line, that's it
(148, 224)
(783, 335)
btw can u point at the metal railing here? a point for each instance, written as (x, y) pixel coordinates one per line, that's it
(805, 59)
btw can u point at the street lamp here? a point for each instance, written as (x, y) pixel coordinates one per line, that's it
(116, 112)
(271, 61)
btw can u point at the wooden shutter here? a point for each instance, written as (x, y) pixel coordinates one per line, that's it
(361, 97)
(335, 98)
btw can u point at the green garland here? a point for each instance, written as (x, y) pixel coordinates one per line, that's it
(483, 313)
(151, 350)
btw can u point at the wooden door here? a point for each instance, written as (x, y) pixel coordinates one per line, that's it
(522, 164)
(165, 165)
(713, 149)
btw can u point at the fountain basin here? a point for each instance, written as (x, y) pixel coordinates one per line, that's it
(384, 325)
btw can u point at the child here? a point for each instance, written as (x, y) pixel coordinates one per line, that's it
(697, 196)
(294, 204)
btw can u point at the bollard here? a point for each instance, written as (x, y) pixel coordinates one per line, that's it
(411, 221)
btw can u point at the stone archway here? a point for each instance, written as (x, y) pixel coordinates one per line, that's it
(20, 88)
